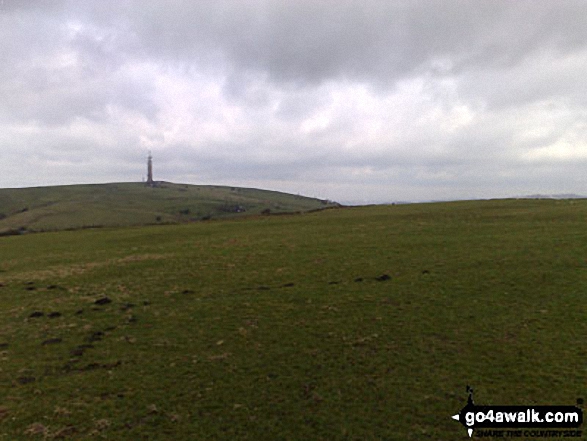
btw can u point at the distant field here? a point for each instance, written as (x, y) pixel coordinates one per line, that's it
(126, 204)
(359, 323)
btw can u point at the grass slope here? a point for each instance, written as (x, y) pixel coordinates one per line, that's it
(283, 328)
(125, 204)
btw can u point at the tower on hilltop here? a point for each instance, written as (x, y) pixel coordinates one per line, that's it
(150, 170)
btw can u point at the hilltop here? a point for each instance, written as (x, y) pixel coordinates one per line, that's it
(132, 204)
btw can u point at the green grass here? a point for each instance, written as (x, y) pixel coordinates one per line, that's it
(277, 328)
(127, 204)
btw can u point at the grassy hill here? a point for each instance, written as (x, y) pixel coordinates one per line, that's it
(363, 323)
(125, 204)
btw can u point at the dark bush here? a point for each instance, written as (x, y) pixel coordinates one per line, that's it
(13, 232)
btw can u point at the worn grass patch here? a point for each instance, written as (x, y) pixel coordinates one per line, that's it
(363, 323)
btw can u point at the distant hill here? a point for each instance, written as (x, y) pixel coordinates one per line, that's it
(127, 204)
(553, 196)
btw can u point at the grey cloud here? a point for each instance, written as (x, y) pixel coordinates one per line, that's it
(61, 68)
(31, 6)
(308, 41)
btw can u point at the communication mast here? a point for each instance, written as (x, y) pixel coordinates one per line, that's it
(150, 170)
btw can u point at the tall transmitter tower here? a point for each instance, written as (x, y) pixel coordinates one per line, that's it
(150, 170)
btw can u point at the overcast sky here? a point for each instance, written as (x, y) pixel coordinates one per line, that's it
(354, 101)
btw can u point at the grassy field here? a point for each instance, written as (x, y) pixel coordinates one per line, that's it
(359, 323)
(131, 204)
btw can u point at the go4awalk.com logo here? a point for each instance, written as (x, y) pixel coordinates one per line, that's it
(521, 421)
